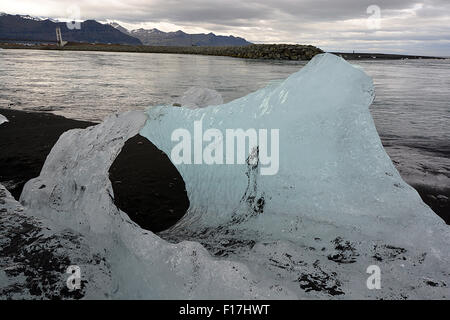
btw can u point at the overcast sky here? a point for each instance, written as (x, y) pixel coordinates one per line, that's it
(398, 26)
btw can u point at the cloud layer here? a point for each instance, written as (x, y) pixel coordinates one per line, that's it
(399, 26)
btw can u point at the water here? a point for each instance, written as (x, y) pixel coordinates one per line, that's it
(411, 110)
(412, 115)
(92, 85)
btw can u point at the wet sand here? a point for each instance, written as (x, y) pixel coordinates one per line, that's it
(146, 184)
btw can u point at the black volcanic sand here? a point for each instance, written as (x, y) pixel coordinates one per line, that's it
(146, 185)
(25, 142)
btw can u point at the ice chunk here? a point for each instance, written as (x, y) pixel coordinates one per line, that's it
(333, 168)
(3, 119)
(195, 98)
(335, 181)
(336, 206)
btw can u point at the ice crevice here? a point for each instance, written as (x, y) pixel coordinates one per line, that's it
(336, 206)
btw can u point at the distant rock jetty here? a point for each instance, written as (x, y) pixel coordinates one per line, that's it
(270, 51)
(254, 51)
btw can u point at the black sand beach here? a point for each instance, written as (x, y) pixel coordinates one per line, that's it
(146, 184)
(25, 142)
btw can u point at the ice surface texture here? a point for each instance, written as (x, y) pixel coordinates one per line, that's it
(336, 206)
(3, 119)
(195, 98)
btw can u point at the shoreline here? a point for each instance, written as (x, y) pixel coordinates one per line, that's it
(28, 138)
(382, 56)
(254, 51)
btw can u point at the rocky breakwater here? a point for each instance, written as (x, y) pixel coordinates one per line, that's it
(267, 51)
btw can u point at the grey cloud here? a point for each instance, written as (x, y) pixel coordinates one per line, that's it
(317, 21)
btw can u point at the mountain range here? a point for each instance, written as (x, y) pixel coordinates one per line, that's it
(155, 37)
(28, 28)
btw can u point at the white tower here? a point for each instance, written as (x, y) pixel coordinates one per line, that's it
(59, 39)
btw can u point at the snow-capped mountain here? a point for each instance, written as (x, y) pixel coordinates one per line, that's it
(155, 37)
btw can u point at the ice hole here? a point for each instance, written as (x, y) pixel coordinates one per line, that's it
(147, 186)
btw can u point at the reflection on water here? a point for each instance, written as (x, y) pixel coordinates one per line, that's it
(411, 110)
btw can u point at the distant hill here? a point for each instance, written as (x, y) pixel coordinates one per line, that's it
(155, 37)
(21, 28)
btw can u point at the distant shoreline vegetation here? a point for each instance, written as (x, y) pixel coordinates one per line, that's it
(255, 51)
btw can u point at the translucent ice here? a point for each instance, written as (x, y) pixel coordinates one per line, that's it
(336, 206)
(197, 97)
(3, 119)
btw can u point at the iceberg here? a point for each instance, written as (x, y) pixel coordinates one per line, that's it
(336, 208)
(3, 119)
